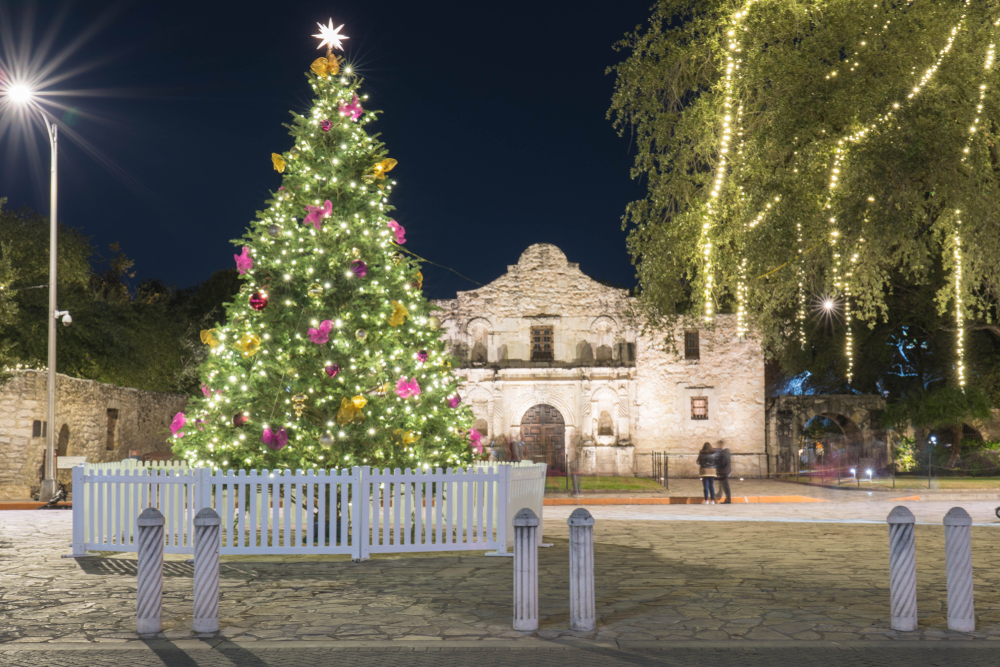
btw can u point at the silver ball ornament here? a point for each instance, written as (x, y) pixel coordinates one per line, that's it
(274, 231)
(361, 334)
(326, 441)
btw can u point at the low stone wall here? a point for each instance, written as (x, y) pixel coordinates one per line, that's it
(100, 421)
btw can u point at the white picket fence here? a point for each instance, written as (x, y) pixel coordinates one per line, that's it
(527, 489)
(356, 512)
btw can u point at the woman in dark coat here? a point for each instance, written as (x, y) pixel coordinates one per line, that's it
(707, 461)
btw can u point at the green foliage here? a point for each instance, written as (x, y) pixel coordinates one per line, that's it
(266, 368)
(8, 311)
(25, 237)
(938, 409)
(143, 340)
(904, 453)
(814, 74)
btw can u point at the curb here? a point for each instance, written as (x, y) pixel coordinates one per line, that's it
(526, 644)
(683, 500)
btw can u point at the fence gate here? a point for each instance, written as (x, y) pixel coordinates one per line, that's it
(283, 513)
(107, 503)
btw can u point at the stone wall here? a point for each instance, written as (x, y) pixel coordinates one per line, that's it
(86, 425)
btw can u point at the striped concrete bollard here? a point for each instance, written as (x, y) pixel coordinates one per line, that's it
(582, 614)
(149, 584)
(958, 566)
(206, 570)
(902, 570)
(525, 570)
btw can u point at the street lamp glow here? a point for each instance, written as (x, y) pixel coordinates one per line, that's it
(20, 93)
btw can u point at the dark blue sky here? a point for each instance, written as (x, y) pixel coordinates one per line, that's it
(495, 112)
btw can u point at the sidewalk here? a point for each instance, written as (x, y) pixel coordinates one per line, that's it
(703, 573)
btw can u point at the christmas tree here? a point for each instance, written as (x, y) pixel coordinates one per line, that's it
(330, 356)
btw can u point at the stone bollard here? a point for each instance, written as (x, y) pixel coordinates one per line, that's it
(902, 570)
(582, 615)
(525, 570)
(958, 565)
(206, 570)
(149, 585)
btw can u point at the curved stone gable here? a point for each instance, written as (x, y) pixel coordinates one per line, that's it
(543, 282)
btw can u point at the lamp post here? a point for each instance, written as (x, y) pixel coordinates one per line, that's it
(49, 483)
(22, 95)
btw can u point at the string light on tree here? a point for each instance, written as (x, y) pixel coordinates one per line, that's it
(320, 333)
(711, 207)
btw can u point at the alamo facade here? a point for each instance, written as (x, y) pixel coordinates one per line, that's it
(548, 358)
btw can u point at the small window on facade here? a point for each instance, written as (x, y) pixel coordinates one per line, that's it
(483, 427)
(112, 429)
(541, 343)
(604, 424)
(692, 350)
(38, 429)
(699, 407)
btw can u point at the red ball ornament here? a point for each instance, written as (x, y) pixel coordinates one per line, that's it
(239, 419)
(258, 301)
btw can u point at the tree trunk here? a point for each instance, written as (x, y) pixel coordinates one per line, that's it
(956, 444)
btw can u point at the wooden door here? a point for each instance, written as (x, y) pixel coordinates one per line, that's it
(544, 433)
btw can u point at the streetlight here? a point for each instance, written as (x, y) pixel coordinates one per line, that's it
(23, 95)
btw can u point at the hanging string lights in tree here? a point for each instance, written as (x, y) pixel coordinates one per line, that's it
(733, 60)
(956, 229)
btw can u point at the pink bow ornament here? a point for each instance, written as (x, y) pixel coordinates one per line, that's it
(352, 109)
(321, 335)
(206, 391)
(398, 230)
(407, 388)
(177, 424)
(476, 441)
(244, 262)
(275, 439)
(454, 401)
(317, 213)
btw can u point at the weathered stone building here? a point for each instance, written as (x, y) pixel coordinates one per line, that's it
(550, 359)
(100, 421)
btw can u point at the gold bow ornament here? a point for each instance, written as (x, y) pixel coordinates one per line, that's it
(399, 314)
(350, 410)
(326, 66)
(248, 344)
(279, 163)
(208, 338)
(378, 174)
(408, 437)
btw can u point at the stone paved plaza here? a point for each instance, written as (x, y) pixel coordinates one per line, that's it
(664, 573)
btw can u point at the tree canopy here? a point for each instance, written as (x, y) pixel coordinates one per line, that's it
(143, 336)
(799, 152)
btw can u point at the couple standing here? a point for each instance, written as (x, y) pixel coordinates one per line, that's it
(715, 464)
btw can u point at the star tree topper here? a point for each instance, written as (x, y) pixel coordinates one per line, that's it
(330, 36)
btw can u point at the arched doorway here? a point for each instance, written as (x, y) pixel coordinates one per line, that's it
(831, 440)
(543, 432)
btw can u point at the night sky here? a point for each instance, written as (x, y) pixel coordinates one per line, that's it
(495, 112)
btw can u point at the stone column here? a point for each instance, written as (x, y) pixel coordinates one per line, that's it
(149, 587)
(525, 570)
(958, 565)
(902, 570)
(582, 614)
(206, 570)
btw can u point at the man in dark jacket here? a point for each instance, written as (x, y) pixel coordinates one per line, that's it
(724, 468)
